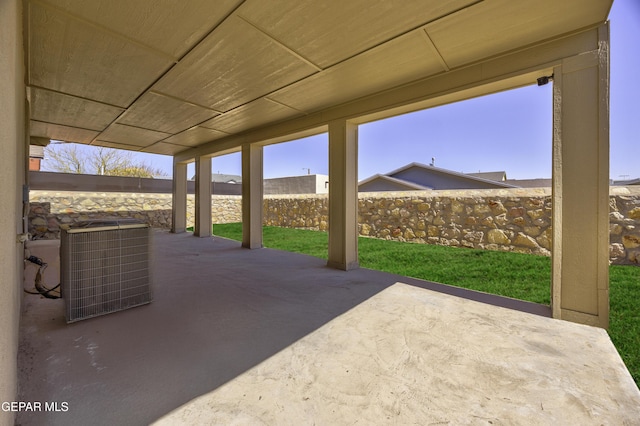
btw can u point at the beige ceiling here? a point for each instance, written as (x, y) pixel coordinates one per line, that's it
(163, 77)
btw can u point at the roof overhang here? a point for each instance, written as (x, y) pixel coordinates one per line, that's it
(194, 78)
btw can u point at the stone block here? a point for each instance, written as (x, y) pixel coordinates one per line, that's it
(467, 244)
(534, 202)
(616, 251)
(631, 241)
(501, 219)
(516, 211)
(457, 206)
(475, 236)
(535, 214)
(497, 207)
(520, 221)
(481, 209)
(488, 222)
(523, 240)
(451, 233)
(497, 236)
(545, 239)
(616, 216)
(532, 231)
(408, 234)
(615, 229)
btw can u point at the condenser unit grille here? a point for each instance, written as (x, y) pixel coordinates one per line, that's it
(105, 267)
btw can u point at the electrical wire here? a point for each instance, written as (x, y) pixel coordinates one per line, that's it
(40, 288)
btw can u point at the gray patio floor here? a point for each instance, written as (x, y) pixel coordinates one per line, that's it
(238, 336)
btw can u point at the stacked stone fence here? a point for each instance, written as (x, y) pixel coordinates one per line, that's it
(517, 220)
(50, 210)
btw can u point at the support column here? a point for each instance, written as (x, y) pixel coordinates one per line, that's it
(343, 195)
(179, 198)
(580, 271)
(252, 196)
(202, 226)
(13, 140)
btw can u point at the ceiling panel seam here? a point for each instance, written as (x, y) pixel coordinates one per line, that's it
(140, 128)
(137, 147)
(280, 43)
(176, 98)
(32, 86)
(434, 48)
(285, 105)
(526, 47)
(195, 45)
(107, 30)
(65, 125)
(167, 143)
(201, 125)
(405, 33)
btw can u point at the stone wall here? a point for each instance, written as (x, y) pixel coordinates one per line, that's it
(51, 209)
(624, 227)
(517, 220)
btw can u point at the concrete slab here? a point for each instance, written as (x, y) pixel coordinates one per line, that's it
(268, 337)
(412, 356)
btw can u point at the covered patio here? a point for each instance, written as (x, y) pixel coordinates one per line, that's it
(271, 337)
(199, 79)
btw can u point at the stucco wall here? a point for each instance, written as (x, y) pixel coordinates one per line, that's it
(307, 184)
(12, 165)
(516, 220)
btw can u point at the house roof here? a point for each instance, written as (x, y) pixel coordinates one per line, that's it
(500, 176)
(164, 77)
(531, 183)
(438, 170)
(409, 186)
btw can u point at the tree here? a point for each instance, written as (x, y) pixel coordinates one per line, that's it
(64, 159)
(70, 158)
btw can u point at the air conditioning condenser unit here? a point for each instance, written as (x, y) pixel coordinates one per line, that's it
(105, 267)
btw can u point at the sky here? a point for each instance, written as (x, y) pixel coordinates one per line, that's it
(508, 131)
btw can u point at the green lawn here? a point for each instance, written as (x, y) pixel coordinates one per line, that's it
(520, 276)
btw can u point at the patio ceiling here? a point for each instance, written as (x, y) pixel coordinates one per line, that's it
(163, 77)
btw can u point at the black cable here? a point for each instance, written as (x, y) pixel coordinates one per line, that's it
(41, 289)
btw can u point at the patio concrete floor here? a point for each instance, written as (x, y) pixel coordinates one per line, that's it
(238, 336)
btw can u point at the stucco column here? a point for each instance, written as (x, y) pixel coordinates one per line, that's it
(179, 198)
(580, 276)
(252, 195)
(202, 226)
(13, 137)
(343, 195)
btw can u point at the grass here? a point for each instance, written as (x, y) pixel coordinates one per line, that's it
(519, 276)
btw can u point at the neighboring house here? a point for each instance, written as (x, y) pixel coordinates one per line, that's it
(36, 154)
(496, 176)
(305, 184)
(417, 176)
(530, 183)
(626, 182)
(223, 178)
